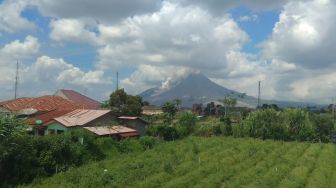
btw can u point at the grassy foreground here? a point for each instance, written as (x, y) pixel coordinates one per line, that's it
(210, 162)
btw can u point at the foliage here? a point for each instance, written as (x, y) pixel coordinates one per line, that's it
(290, 124)
(209, 162)
(123, 104)
(187, 120)
(167, 133)
(265, 124)
(169, 110)
(228, 102)
(26, 157)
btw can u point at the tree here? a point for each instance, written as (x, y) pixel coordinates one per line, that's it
(187, 120)
(123, 104)
(169, 111)
(178, 102)
(133, 106)
(228, 102)
(118, 100)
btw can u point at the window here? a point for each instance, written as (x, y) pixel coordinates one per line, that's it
(60, 131)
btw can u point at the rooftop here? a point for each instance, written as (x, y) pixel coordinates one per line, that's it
(78, 97)
(80, 117)
(43, 103)
(107, 130)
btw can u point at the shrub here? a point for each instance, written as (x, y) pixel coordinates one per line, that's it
(323, 127)
(265, 124)
(147, 142)
(188, 120)
(165, 132)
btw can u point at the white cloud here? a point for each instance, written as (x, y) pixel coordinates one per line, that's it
(304, 35)
(17, 50)
(11, 20)
(181, 36)
(72, 30)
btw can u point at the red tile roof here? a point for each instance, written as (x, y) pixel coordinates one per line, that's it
(44, 104)
(77, 97)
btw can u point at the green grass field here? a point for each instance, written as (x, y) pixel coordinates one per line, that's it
(210, 162)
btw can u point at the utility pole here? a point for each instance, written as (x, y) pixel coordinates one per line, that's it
(16, 79)
(333, 108)
(117, 84)
(258, 94)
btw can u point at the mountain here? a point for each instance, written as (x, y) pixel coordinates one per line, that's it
(197, 88)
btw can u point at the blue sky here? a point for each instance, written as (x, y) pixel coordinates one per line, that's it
(81, 45)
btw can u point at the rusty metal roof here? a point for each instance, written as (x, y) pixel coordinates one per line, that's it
(47, 117)
(80, 117)
(78, 97)
(43, 103)
(111, 130)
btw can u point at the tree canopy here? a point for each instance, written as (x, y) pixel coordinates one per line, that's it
(123, 104)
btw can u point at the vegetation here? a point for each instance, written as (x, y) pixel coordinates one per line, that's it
(169, 110)
(24, 157)
(123, 104)
(193, 161)
(209, 162)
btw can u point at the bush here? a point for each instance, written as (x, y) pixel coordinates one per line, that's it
(147, 142)
(265, 124)
(323, 127)
(167, 133)
(226, 127)
(187, 120)
(298, 124)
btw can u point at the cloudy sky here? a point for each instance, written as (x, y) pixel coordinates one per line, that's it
(80, 44)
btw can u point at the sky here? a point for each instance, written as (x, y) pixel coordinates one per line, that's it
(288, 45)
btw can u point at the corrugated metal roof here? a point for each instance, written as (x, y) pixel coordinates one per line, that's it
(80, 117)
(43, 103)
(107, 130)
(16, 104)
(47, 117)
(78, 97)
(128, 117)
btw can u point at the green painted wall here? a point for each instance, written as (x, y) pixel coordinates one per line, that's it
(54, 127)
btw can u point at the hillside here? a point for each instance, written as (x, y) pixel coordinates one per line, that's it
(210, 162)
(197, 88)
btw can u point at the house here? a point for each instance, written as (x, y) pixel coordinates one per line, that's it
(119, 132)
(39, 122)
(79, 98)
(134, 123)
(151, 110)
(79, 119)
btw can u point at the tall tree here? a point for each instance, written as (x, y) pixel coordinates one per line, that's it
(123, 104)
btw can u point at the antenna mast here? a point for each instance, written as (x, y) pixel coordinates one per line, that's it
(16, 79)
(258, 94)
(117, 81)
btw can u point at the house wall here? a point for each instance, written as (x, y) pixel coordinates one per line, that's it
(137, 125)
(55, 128)
(105, 120)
